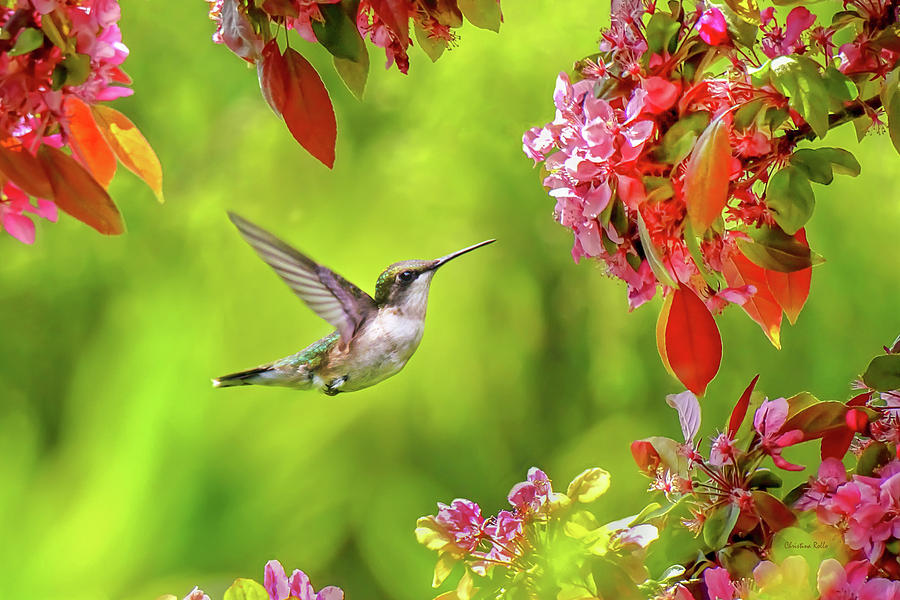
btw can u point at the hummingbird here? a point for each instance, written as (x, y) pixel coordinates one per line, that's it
(373, 337)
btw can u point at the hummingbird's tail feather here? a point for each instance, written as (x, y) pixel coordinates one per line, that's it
(248, 377)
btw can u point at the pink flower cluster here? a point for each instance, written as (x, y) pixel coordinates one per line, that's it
(834, 581)
(386, 24)
(486, 541)
(865, 509)
(297, 586)
(56, 49)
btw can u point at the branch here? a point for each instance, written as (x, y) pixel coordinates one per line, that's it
(805, 132)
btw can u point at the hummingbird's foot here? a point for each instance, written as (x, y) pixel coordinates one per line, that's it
(334, 386)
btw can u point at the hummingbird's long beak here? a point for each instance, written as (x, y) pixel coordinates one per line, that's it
(445, 259)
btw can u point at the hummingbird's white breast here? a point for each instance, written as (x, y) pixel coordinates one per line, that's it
(386, 342)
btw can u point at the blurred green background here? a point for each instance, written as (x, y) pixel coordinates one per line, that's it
(125, 475)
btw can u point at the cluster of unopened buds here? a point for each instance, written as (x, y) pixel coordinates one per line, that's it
(276, 586)
(289, 82)
(673, 156)
(58, 60)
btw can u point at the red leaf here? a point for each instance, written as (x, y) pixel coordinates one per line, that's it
(87, 141)
(293, 88)
(646, 456)
(130, 147)
(395, 15)
(693, 344)
(791, 290)
(740, 409)
(860, 399)
(762, 306)
(836, 443)
(772, 510)
(77, 193)
(24, 169)
(706, 176)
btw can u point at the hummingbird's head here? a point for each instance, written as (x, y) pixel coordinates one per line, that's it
(405, 284)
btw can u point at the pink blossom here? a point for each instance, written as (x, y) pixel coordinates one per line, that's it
(661, 93)
(275, 581)
(836, 582)
(279, 587)
(504, 532)
(462, 521)
(196, 594)
(778, 42)
(531, 494)
(722, 451)
(13, 203)
(718, 584)
(831, 475)
(768, 421)
(712, 27)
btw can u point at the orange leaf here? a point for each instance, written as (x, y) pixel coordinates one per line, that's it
(87, 141)
(292, 86)
(706, 176)
(77, 193)
(693, 344)
(661, 333)
(791, 290)
(130, 147)
(24, 169)
(762, 306)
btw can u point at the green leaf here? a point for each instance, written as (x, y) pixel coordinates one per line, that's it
(739, 29)
(651, 252)
(484, 14)
(817, 419)
(819, 164)
(29, 39)
(338, 33)
(77, 68)
(839, 85)
(800, 402)
(442, 569)
(842, 18)
(353, 74)
(883, 373)
(764, 479)
(719, 525)
(680, 137)
(773, 249)
(712, 279)
(48, 26)
(246, 589)
(589, 485)
(642, 516)
(433, 47)
(661, 33)
(798, 78)
(876, 455)
(747, 113)
(893, 116)
(790, 198)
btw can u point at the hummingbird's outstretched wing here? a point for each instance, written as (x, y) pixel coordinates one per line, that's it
(328, 294)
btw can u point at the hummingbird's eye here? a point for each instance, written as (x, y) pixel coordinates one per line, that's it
(406, 276)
